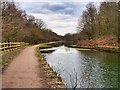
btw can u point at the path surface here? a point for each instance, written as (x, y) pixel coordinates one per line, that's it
(24, 71)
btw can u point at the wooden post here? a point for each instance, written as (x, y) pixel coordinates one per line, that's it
(4, 46)
(10, 46)
(7, 46)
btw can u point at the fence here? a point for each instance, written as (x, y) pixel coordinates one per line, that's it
(7, 46)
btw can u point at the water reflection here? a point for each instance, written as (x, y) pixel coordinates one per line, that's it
(85, 69)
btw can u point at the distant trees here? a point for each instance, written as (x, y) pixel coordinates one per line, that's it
(98, 23)
(109, 14)
(88, 20)
(119, 23)
(72, 38)
(18, 26)
(101, 23)
(94, 23)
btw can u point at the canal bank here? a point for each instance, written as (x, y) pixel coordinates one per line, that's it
(52, 78)
(99, 48)
(84, 68)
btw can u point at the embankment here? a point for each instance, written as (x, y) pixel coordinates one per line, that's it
(53, 80)
(108, 44)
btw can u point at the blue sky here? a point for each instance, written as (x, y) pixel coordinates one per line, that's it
(60, 16)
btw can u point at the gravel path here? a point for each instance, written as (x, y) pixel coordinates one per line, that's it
(24, 71)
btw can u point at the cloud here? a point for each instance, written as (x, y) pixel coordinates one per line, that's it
(63, 0)
(61, 17)
(59, 23)
(46, 7)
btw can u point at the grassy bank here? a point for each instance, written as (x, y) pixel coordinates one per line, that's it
(108, 44)
(53, 81)
(98, 48)
(45, 46)
(8, 57)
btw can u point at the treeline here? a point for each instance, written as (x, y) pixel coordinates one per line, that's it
(18, 26)
(97, 25)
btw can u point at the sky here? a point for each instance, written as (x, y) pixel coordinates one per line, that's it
(60, 16)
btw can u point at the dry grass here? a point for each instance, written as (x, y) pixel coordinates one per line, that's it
(109, 41)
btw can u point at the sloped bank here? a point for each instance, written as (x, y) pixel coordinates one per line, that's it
(53, 80)
(99, 48)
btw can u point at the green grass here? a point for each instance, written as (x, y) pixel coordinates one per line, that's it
(53, 76)
(54, 72)
(83, 49)
(38, 53)
(49, 86)
(59, 79)
(45, 46)
(49, 68)
(73, 46)
(43, 64)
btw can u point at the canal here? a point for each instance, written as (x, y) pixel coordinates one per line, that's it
(84, 68)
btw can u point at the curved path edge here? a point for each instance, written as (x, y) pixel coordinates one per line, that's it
(24, 71)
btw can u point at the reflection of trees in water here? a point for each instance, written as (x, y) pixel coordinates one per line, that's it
(92, 70)
(82, 80)
(87, 77)
(88, 71)
(67, 49)
(76, 78)
(104, 68)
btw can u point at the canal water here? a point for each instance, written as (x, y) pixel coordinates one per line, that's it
(84, 68)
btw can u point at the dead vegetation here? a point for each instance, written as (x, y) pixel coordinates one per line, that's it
(109, 41)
